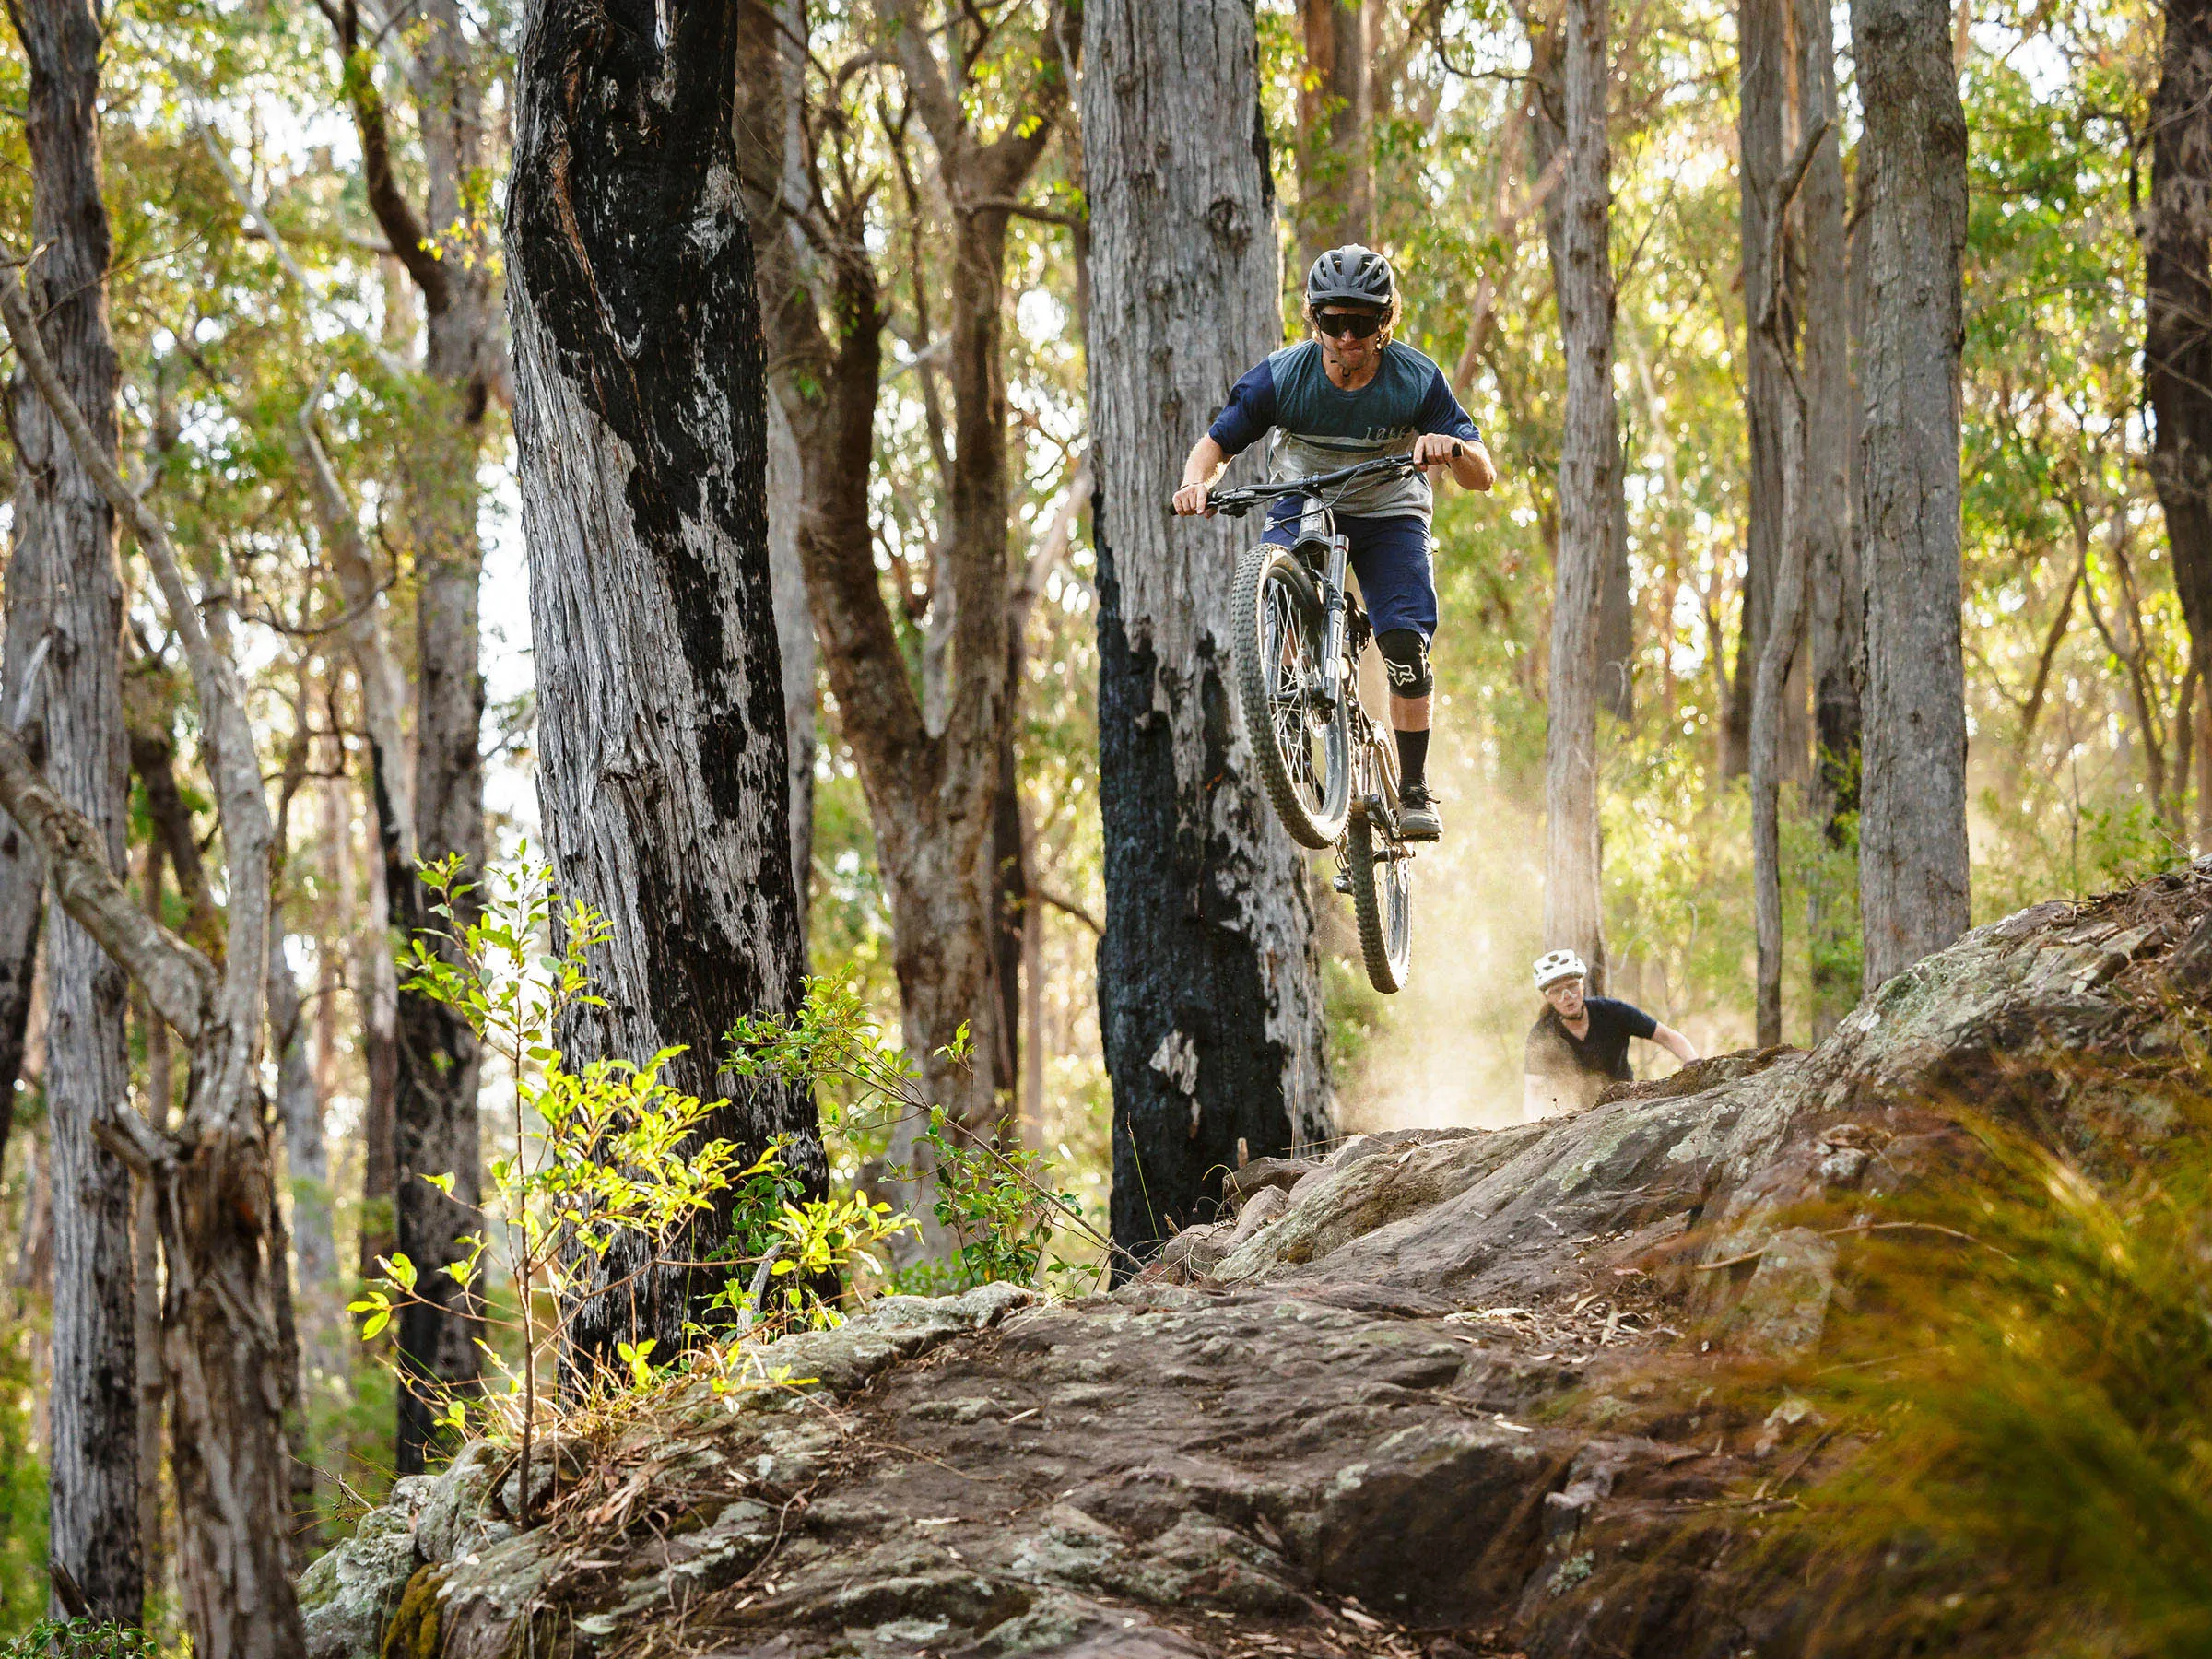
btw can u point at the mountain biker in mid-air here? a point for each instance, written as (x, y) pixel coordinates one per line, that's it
(1352, 393)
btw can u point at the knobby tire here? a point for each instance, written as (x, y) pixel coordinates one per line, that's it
(1383, 901)
(1263, 573)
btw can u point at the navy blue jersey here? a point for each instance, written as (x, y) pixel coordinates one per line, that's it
(1319, 426)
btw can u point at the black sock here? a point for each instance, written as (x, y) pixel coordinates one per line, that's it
(1413, 759)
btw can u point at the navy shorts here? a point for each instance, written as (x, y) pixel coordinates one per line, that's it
(1391, 556)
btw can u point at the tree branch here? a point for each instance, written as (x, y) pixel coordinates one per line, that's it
(1060, 902)
(403, 227)
(1021, 209)
(227, 735)
(383, 693)
(179, 981)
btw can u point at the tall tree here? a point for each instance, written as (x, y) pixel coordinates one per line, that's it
(2177, 342)
(795, 640)
(1912, 849)
(1335, 127)
(443, 243)
(22, 875)
(211, 1174)
(1589, 463)
(1777, 652)
(1763, 75)
(933, 767)
(1835, 604)
(66, 524)
(1210, 1000)
(1547, 111)
(643, 438)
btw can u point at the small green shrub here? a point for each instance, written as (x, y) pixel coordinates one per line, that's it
(22, 1484)
(998, 1203)
(81, 1639)
(603, 1152)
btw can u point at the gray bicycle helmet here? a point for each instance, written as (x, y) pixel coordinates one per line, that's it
(1352, 276)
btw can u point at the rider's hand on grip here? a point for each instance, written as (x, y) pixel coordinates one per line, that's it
(1434, 448)
(1192, 499)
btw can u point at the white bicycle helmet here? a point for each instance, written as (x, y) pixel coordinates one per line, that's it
(1555, 965)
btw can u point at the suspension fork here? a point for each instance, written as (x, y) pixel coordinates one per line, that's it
(1318, 528)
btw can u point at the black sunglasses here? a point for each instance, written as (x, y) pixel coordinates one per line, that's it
(1339, 326)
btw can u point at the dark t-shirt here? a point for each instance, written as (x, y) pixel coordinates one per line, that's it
(1553, 1049)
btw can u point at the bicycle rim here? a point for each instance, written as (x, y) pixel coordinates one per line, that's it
(1382, 882)
(1303, 759)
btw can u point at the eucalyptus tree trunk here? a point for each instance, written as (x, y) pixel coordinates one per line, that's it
(1835, 603)
(1763, 38)
(794, 641)
(299, 1109)
(1589, 461)
(643, 438)
(212, 1173)
(94, 1483)
(1615, 615)
(445, 244)
(22, 873)
(1913, 849)
(1771, 340)
(1335, 128)
(1209, 994)
(933, 785)
(2177, 344)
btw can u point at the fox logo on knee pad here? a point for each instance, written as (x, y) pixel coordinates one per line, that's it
(1406, 661)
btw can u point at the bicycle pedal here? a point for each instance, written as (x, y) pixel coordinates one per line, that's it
(1343, 882)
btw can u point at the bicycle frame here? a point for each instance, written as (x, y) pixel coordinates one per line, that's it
(1320, 543)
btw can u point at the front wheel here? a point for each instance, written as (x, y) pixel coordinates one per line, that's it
(1382, 881)
(1303, 750)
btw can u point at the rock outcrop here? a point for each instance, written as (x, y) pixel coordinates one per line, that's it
(1401, 1403)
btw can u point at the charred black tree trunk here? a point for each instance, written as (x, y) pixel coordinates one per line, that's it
(641, 430)
(1209, 989)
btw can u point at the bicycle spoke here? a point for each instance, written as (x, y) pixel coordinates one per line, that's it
(1289, 657)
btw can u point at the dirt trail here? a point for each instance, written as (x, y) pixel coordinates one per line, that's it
(1426, 1398)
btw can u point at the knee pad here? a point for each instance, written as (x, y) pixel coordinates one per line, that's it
(1406, 661)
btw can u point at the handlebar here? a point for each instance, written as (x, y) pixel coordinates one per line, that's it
(1236, 503)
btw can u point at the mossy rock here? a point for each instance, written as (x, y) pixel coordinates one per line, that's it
(413, 1632)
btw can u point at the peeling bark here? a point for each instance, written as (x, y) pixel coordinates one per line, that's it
(641, 431)
(1209, 998)
(1616, 616)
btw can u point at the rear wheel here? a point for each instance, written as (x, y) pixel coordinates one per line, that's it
(1382, 878)
(1379, 870)
(1304, 753)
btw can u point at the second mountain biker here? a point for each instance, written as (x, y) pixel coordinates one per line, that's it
(1352, 393)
